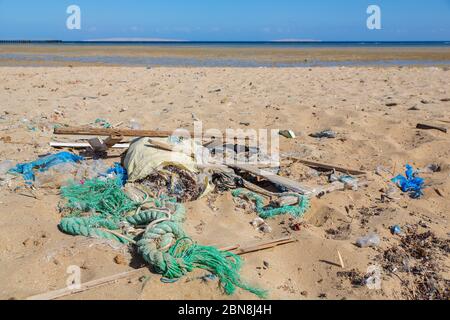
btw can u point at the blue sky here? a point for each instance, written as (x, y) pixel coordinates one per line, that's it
(222, 20)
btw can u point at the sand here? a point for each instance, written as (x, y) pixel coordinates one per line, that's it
(34, 254)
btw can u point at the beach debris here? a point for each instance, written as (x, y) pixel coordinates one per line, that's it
(135, 125)
(27, 170)
(271, 211)
(5, 166)
(410, 183)
(261, 225)
(120, 259)
(395, 230)
(430, 127)
(349, 182)
(388, 194)
(342, 232)
(418, 258)
(84, 145)
(167, 172)
(102, 123)
(83, 131)
(341, 261)
(281, 182)
(107, 209)
(438, 191)
(431, 168)
(236, 249)
(325, 166)
(356, 278)
(391, 104)
(371, 240)
(289, 134)
(329, 134)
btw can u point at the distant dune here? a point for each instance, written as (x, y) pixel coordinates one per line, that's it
(134, 40)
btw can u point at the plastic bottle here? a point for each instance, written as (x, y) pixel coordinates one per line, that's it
(371, 240)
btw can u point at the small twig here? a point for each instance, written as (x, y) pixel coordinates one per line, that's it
(341, 260)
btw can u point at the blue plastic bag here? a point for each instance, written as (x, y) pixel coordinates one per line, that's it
(120, 172)
(410, 183)
(43, 164)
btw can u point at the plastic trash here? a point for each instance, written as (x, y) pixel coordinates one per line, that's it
(57, 176)
(330, 134)
(43, 164)
(371, 240)
(410, 182)
(5, 166)
(91, 170)
(119, 172)
(396, 229)
(349, 182)
(134, 124)
(103, 123)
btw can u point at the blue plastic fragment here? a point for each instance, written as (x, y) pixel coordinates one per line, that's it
(43, 164)
(396, 229)
(410, 183)
(120, 172)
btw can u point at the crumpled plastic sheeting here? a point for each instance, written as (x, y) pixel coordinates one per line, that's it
(43, 164)
(410, 183)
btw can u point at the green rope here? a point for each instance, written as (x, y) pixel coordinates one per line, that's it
(163, 245)
(267, 212)
(103, 196)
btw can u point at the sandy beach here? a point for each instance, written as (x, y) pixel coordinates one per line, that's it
(373, 110)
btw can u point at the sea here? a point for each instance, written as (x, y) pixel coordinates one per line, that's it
(241, 61)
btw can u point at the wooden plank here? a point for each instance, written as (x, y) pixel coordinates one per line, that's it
(314, 164)
(81, 145)
(114, 132)
(112, 141)
(276, 179)
(430, 127)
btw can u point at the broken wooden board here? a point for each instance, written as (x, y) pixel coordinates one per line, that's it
(118, 132)
(326, 166)
(82, 145)
(276, 179)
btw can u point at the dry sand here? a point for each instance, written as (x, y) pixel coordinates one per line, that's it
(34, 254)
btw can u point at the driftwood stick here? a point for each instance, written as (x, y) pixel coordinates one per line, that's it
(86, 286)
(115, 132)
(430, 127)
(327, 166)
(114, 278)
(82, 145)
(276, 179)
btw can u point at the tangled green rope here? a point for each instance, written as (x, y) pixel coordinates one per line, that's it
(163, 244)
(267, 212)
